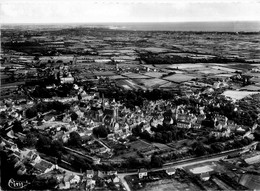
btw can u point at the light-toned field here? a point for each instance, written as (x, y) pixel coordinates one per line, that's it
(202, 169)
(223, 68)
(257, 64)
(123, 58)
(211, 71)
(129, 84)
(224, 75)
(154, 74)
(177, 71)
(116, 77)
(251, 88)
(169, 85)
(149, 83)
(237, 95)
(168, 185)
(179, 78)
(253, 74)
(186, 66)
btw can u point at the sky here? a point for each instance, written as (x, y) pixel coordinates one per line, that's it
(93, 11)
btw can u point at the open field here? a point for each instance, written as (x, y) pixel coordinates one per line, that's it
(134, 75)
(168, 185)
(225, 69)
(161, 146)
(126, 155)
(237, 95)
(180, 143)
(251, 88)
(178, 78)
(156, 49)
(104, 73)
(224, 75)
(250, 181)
(116, 77)
(186, 66)
(211, 71)
(169, 85)
(253, 74)
(154, 74)
(203, 168)
(129, 84)
(139, 145)
(151, 83)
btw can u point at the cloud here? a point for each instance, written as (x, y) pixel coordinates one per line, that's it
(56, 11)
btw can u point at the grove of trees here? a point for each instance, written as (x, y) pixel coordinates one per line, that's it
(43, 107)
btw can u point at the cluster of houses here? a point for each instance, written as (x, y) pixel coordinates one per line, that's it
(223, 127)
(26, 160)
(64, 75)
(90, 179)
(143, 173)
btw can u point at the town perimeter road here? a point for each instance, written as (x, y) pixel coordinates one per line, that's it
(122, 176)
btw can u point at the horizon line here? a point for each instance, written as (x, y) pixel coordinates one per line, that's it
(120, 22)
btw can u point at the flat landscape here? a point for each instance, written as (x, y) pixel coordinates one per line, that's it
(119, 109)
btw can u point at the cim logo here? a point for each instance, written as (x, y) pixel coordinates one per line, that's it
(14, 184)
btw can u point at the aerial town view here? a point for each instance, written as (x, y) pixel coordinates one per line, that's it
(130, 106)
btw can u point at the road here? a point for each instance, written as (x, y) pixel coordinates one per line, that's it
(177, 164)
(122, 176)
(181, 164)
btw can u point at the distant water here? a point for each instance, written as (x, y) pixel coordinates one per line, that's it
(239, 26)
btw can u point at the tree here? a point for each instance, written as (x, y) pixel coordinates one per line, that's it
(237, 143)
(17, 126)
(245, 141)
(257, 134)
(79, 97)
(156, 161)
(41, 92)
(165, 137)
(43, 144)
(208, 123)
(74, 116)
(170, 136)
(56, 148)
(199, 149)
(80, 164)
(258, 147)
(158, 137)
(36, 58)
(133, 163)
(30, 140)
(145, 135)
(100, 131)
(31, 112)
(137, 130)
(75, 139)
(58, 106)
(52, 182)
(217, 147)
(132, 138)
